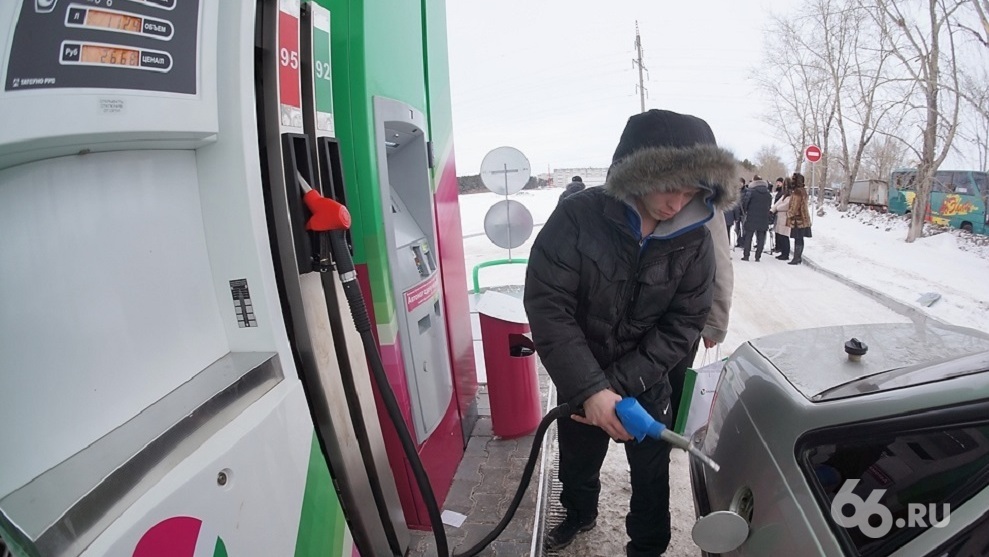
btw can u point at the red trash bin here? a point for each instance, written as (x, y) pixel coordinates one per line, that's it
(510, 363)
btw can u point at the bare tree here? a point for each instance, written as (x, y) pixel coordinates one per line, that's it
(854, 58)
(974, 128)
(792, 78)
(931, 78)
(769, 164)
(789, 81)
(982, 10)
(882, 156)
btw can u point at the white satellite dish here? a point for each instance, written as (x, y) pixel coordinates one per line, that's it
(505, 170)
(508, 224)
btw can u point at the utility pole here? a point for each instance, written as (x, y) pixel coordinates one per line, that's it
(638, 62)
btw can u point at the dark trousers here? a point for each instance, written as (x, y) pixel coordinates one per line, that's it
(783, 245)
(582, 451)
(760, 242)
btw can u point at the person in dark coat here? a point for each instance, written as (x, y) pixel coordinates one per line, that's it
(755, 204)
(618, 288)
(576, 184)
(729, 220)
(737, 214)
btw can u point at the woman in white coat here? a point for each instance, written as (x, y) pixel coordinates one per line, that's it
(779, 209)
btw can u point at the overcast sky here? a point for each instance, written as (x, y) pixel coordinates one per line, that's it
(555, 79)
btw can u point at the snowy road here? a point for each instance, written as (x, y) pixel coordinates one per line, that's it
(770, 296)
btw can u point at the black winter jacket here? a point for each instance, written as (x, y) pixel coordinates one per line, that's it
(756, 204)
(609, 310)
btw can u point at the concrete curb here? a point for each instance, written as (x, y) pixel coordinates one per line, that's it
(914, 314)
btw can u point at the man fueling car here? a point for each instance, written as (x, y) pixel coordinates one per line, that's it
(618, 289)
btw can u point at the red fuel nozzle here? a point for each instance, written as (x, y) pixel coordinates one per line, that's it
(327, 214)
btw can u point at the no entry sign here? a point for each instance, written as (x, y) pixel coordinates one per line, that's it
(812, 153)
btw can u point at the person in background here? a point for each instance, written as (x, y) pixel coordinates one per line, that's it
(778, 190)
(738, 215)
(798, 218)
(618, 288)
(716, 327)
(729, 222)
(782, 230)
(576, 184)
(756, 202)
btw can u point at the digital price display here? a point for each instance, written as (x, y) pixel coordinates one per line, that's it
(103, 44)
(113, 20)
(114, 56)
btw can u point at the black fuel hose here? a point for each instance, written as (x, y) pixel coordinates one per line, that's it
(530, 464)
(348, 278)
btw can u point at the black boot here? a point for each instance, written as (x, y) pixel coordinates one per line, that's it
(798, 251)
(565, 532)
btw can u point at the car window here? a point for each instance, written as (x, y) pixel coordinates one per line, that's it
(893, 484)
(970, 541)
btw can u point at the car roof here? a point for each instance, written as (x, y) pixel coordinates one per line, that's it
(815, 363)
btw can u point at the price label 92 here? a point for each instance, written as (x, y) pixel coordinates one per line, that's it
(322, 70)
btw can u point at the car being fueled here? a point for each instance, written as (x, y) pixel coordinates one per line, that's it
(864, 440)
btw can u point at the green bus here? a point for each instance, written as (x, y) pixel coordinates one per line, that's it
(958, 197)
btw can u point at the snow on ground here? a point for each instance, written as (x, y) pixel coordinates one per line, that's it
(771, 296)
(869, 248)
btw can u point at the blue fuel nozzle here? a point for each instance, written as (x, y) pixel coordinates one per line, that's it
(639, 424)
(637, 421)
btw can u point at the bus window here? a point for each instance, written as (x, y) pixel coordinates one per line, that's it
(980, 181)
(963, 183)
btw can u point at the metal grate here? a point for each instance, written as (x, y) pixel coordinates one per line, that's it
(555, 513)
(549, 512)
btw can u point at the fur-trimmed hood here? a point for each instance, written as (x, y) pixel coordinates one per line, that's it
(663, 151)
(662, 169)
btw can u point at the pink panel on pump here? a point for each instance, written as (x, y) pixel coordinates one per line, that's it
(451, 253)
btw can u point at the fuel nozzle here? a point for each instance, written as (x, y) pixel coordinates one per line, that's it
(640, 425)
(331, 220)
(327, 214)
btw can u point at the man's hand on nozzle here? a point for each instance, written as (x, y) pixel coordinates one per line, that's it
(599, 410)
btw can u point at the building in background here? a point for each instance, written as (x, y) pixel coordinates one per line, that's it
(591, 176)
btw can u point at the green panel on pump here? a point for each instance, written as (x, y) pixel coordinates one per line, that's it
(322, 71)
